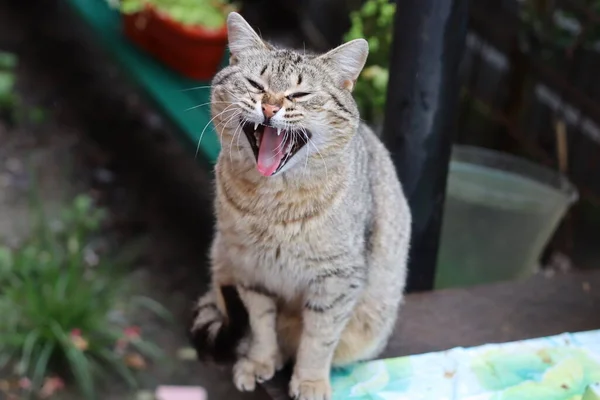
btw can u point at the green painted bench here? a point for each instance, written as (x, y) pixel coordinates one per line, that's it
(184, 101)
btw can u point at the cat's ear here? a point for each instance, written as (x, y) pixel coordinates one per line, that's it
(241, 36)
(347, 61)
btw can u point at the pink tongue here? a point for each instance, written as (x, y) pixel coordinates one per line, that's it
(270, 152)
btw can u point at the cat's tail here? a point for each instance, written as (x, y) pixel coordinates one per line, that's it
(217, 336)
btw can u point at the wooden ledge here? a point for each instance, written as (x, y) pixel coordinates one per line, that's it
(502, 312)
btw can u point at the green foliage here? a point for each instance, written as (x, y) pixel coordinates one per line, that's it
(557, 29)
(11, 104)
(58, 301)
(373, 22)
(540, 19)
(206, 13)
(8, 63)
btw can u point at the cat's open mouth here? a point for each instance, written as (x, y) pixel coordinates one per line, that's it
(273, 147)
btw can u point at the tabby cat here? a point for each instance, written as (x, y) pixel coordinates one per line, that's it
(312, 225)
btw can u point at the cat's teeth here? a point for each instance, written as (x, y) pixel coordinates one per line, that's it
(255, 125)
(278, 131)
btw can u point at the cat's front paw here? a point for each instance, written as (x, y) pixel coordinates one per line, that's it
(319, 389)
(247, 372)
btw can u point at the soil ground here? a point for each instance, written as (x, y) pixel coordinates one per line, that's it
(98, 136)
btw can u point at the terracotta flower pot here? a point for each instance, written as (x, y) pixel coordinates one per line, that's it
(195, 52)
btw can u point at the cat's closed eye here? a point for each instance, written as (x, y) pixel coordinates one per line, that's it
(297, 95)
(256, 85)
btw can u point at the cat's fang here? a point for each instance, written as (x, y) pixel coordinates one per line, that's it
(255, 126)
(278, 131)
(257, 137)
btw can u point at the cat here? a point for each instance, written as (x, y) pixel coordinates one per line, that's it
(312, 225)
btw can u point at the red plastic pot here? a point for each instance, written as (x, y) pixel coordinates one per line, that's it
(195, 52)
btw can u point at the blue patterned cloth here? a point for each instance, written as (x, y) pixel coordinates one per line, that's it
(552, 368)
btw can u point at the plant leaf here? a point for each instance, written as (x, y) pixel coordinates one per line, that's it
(119, 367)
(41, 366)
(78, 363)
(28, 347)
(81, 368)
(153, 306)
(148, 349)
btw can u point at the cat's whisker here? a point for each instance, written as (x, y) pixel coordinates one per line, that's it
(294, 137)
(205, 104)
(195, 88)
(235, 96)
(235, 133)
(305, 163)
(303, 131)
(225, 123)
(288, 127)
(208, 123)
(224, 126)
(237, 144)
(281, 146)
(310, 141)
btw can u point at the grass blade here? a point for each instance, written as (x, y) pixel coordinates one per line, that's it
(119, 367)
(5, 357)
(28, 347)
(153, 306)
(148, 349)
(81, 369)
(41, 366)
(78, 363)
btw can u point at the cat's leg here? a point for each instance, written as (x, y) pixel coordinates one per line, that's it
(262, 357)
(220, 326)
(368, 330)
(328, 306)
(364, 336)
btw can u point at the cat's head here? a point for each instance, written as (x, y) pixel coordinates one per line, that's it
(282, 108)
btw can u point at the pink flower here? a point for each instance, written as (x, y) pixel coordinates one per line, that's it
(132, 332)
(78, 341)
(76, 332)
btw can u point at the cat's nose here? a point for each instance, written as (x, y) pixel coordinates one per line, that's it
(270, 110)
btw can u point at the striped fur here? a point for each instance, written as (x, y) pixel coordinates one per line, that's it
(317, 252)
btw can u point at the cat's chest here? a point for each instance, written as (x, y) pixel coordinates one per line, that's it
(284, 262)
(273, 257)
(275, 240)
(276, 267)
